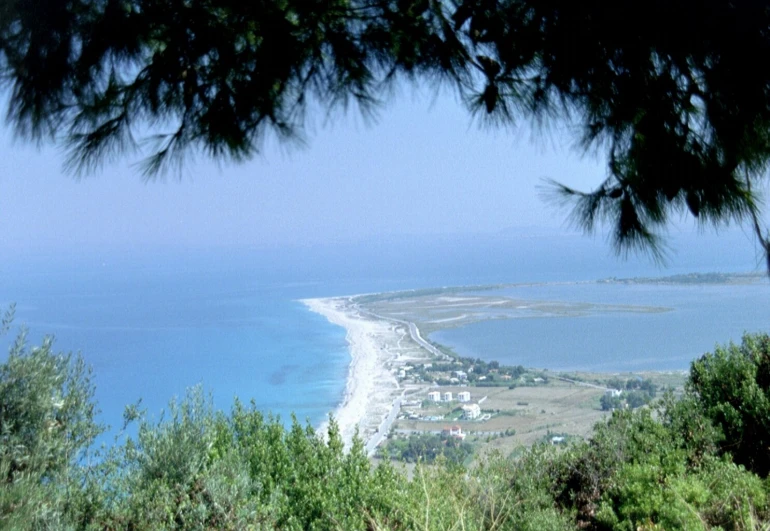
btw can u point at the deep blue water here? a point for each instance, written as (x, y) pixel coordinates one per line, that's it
(154, 322)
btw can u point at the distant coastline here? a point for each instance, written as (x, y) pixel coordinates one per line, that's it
(381, 346)
(691, 278)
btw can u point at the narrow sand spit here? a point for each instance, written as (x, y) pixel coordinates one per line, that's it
(371, 389)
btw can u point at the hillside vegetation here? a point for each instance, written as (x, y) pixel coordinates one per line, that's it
(698, 461)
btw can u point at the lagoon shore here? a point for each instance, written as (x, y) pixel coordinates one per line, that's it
(385, 344)
(372, 391)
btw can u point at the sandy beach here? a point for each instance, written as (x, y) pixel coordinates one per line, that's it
(372, 392)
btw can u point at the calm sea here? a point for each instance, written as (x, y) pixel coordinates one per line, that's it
(700, 316)
(155, 322)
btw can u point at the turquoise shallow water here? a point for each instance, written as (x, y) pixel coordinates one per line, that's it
(154, 323)
(152, 338)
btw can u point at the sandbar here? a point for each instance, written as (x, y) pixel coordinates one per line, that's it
(372, 391)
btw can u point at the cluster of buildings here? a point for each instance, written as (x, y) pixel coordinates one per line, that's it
(470, 411)
(447, 396)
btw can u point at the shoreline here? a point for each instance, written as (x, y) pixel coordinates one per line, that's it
(382, 350)
(371, 392)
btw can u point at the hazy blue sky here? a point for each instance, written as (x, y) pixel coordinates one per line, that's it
(424, 168)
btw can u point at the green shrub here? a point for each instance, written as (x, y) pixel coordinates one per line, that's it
(665, 468)
(46, 426)
(732, 387)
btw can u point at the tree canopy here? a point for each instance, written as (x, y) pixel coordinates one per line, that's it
(675, 94)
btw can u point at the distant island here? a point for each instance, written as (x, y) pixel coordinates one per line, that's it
(692, 278)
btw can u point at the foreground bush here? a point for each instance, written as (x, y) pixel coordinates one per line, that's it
(199, 468)
(46, 424)
(731, 386)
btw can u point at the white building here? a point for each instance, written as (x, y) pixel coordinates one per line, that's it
(448, 396)
(454, 431)
(464, 396)
(471, 412)
(434, 396)
(613, 393)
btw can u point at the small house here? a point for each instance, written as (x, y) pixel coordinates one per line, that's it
(435, 396)
(471, 412)
(454, 431)
(464, 396)
(448, 396)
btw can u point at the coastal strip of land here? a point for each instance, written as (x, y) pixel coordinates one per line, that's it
(372, 392)
(399, 382)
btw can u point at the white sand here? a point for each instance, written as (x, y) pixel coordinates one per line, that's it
(449, 319)
(371, 389)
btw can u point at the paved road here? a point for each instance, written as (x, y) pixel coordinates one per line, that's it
(439, 432)
(414, 332)
(576, 382)
(384, 428)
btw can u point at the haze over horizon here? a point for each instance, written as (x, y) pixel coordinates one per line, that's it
(424, 168)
